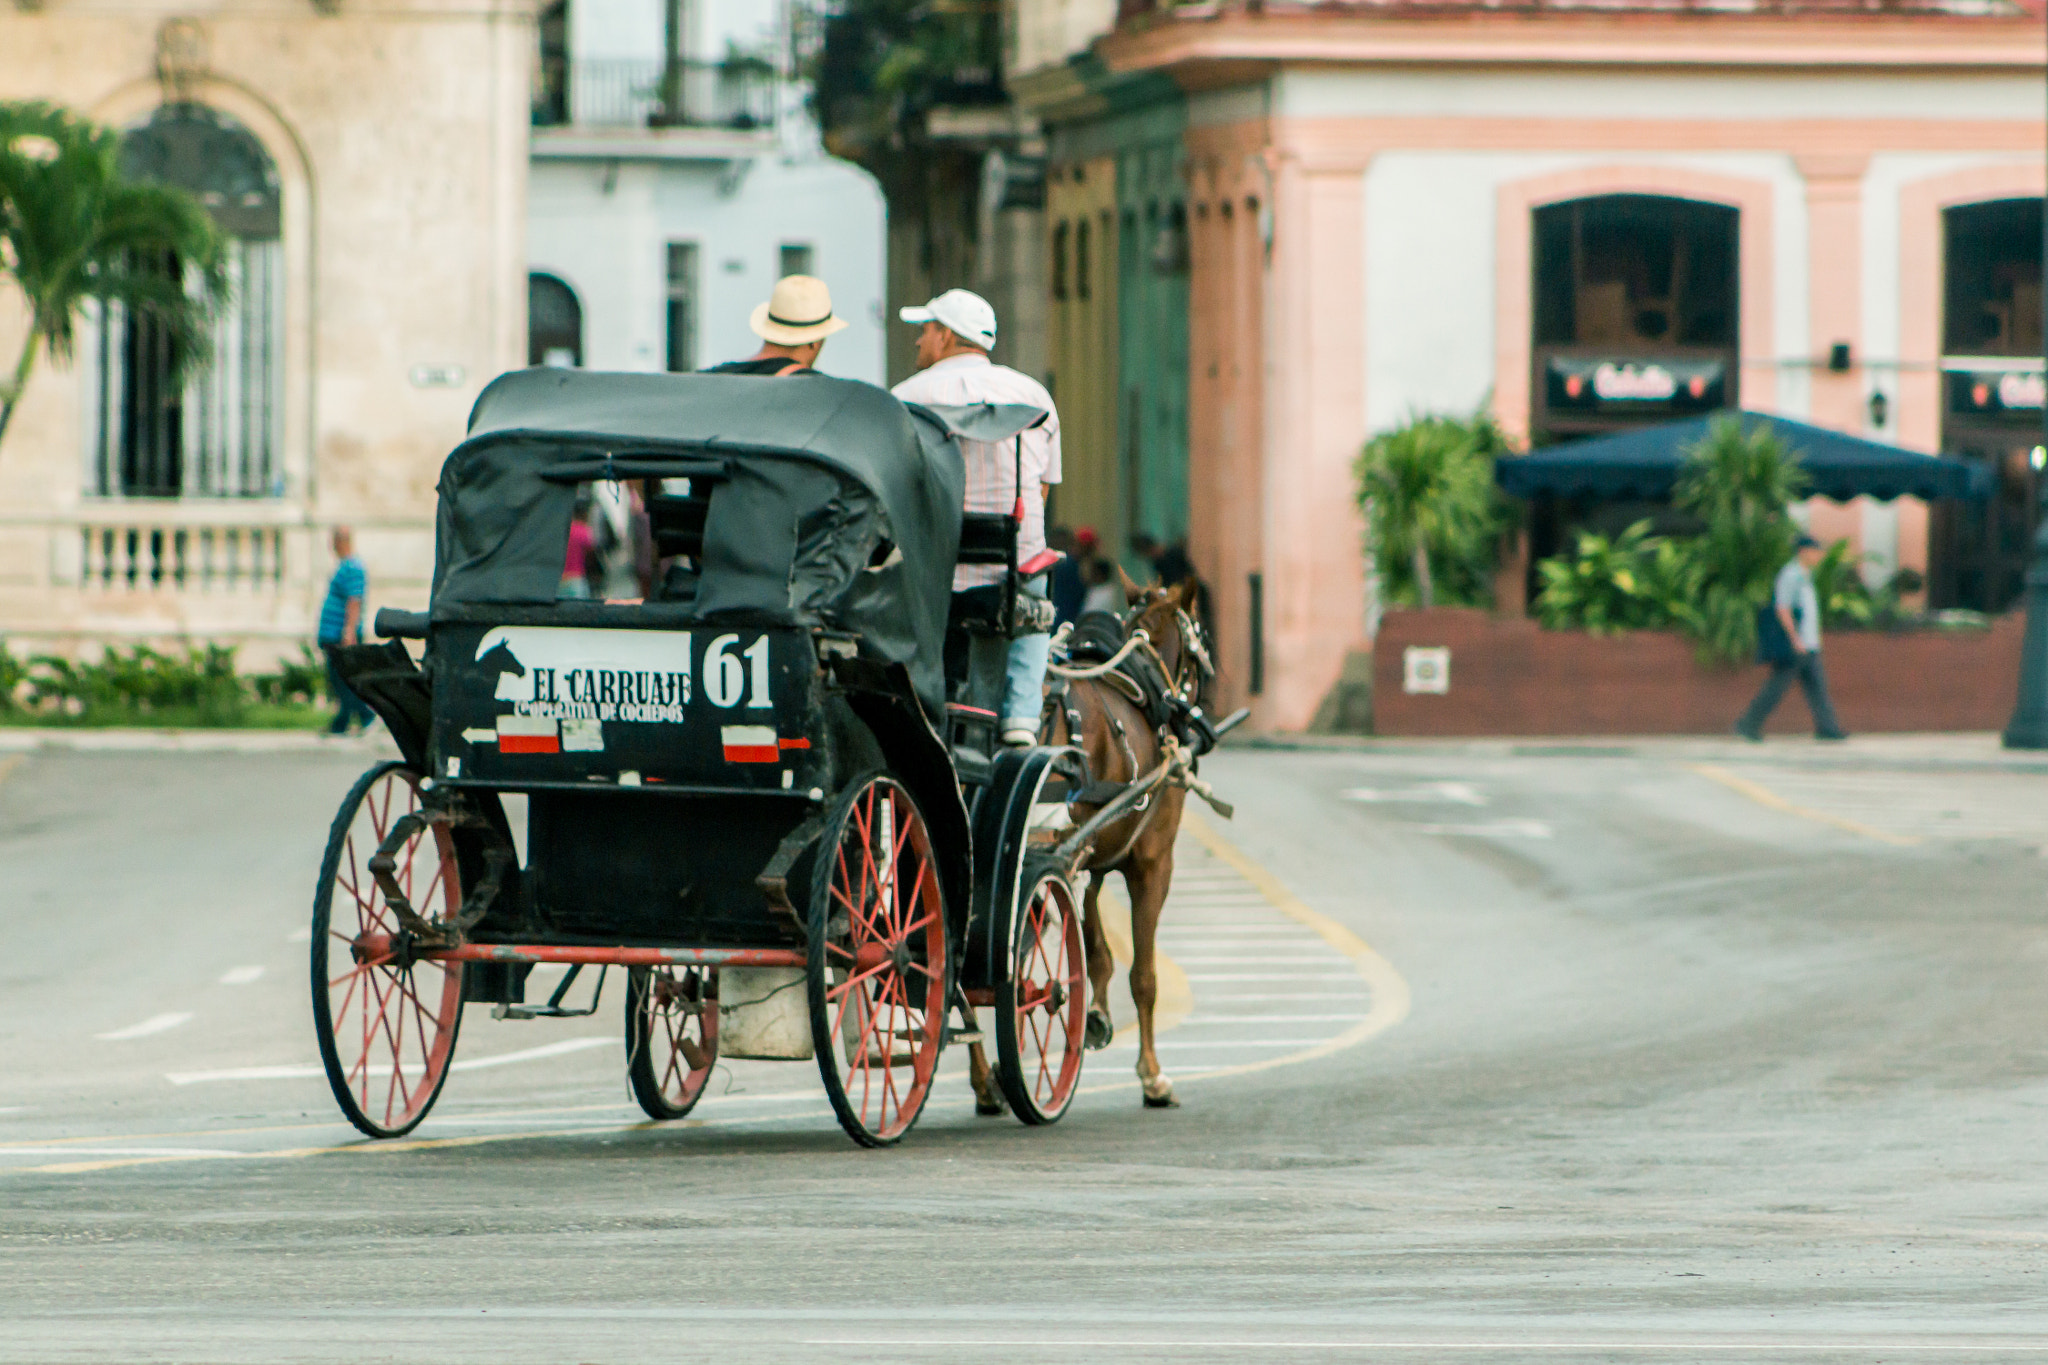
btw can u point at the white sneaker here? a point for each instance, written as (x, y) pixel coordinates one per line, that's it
(1020, 736)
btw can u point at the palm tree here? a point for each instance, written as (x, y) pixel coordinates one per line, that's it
(74, 230)
(1428, 496)
(1740, 484)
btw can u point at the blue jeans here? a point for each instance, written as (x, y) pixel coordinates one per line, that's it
(352, 710)
(1024, 696)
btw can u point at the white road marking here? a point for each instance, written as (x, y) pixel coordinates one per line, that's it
(1265, 976)
(1513, 829)
(156, 1023)
(302, 934)
(118, 1151)
(1322, 959)
(1289, 996)
(297, 1070)
(1448, 1347)
(241, 976)
(1214, 1044)
(1449, 793)
(1198, 1020)
(245, 1073)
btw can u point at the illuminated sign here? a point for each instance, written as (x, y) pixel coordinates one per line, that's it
(1994, 393)
(1635, 384)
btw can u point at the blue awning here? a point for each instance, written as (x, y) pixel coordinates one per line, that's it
(1644, 465)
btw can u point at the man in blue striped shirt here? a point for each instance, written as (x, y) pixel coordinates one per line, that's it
(341, 623)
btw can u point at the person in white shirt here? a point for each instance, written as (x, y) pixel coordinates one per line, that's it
(953, 366)
(1797, 608)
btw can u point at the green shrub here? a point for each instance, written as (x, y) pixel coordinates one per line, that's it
(1434, 518)
(1738, 486)
(145, 684)
(303, 679)
(13, 673)
(1636, 581)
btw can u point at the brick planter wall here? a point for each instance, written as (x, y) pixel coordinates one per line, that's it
(1510, 677)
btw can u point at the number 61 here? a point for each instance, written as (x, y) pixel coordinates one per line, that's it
(725, 677)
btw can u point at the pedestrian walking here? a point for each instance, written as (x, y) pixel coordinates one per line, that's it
(792, 325)
(958, 330)
(1788, 639)
(1068, 582)
(341, 623)
(582, 552)
(1104, 592)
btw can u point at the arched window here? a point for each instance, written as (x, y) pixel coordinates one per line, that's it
(1637, 299)
(554, 323)
(1993, 390)
(217, 434)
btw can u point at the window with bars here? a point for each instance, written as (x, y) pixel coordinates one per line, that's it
(216, 434)
(682, 307)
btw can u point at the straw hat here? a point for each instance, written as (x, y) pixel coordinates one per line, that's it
(797, 313)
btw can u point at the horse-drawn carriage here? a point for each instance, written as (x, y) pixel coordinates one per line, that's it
(771, 790)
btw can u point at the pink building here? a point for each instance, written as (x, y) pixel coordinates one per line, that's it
(1827, 211)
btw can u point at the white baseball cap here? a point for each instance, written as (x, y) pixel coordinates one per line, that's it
(965, 314)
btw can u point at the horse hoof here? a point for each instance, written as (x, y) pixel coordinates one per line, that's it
(1158, 1092)
(1099, 1031)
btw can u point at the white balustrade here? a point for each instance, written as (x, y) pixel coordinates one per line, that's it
(139, 557)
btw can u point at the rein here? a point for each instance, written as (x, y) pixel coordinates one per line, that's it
(1139, 639)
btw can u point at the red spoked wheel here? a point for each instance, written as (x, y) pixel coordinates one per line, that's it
(671, 1036)
(877, 962)
(1042, 1004)
(386, 1024)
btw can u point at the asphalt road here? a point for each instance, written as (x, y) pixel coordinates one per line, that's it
(1487, 1052)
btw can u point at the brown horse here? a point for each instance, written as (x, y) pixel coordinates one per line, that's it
(1121, 744)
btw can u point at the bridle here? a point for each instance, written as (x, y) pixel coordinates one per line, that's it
(1192, 663)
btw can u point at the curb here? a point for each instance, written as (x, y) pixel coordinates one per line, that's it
(31, 740)
(1948, 752)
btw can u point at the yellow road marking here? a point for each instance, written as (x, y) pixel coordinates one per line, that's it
(373, 1147)
(1391, 998)
(1764, 796)
(1176, 998)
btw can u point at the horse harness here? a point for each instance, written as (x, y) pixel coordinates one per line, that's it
(1101, 647)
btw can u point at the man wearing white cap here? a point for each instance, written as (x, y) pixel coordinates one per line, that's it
(958, 331)
(792, 325)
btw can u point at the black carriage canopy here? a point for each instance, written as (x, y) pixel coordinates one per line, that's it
(830, 502)
(1645, 464)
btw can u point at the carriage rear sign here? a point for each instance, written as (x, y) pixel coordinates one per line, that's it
(555, 673)
(661, 704)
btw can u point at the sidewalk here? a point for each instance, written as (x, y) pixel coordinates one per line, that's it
(1966, 751)
(1975, 750)
(26, 739)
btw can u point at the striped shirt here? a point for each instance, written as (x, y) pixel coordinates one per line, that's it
(348, 585)
(992, 465)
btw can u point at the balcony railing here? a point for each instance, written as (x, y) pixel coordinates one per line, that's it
(654, 94)
(134, 556)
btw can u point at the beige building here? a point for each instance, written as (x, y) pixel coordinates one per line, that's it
(1277, 229)
(369, 161)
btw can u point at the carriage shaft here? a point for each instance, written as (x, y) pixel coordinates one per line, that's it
(374, 946)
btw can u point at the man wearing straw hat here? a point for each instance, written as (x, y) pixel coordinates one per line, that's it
(792, 325)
